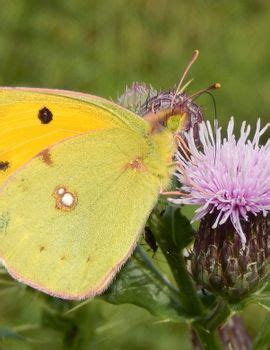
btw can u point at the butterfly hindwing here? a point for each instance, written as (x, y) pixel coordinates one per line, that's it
(73, 251)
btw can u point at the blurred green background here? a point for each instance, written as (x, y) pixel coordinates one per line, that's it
(100, 47)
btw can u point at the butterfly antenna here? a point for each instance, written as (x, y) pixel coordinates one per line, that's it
(215, 121)
(192, 60)
(214, 105)
(207, 91)
(203, 91)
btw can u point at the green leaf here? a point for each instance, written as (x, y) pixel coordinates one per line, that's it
(171, 225)
(141, 284)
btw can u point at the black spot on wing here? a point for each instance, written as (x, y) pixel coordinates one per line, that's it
(4, 165)
(45, 115)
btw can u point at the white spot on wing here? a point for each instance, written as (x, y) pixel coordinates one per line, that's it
(61, 190)
(67, 199)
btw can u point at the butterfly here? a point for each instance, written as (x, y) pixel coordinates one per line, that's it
(79, 176)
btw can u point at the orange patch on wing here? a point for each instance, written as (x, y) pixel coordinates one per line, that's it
(46, 157)
(137, 164)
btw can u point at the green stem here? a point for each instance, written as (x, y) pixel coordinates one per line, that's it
(148, 262)
(208, 340)
(187, 290)
(190, 299)
(263, 338)
(174, 256)
(218, 316)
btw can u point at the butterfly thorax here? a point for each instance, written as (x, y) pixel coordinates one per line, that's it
(160, 155)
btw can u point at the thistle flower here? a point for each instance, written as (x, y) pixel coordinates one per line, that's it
(229, 177)
(136, 96)
(181, 102)
(220, 264)
(143, 100)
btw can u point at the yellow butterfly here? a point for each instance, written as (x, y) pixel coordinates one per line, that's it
(79, 176)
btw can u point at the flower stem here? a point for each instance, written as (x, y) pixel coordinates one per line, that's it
(187, 291)
(218, 316)
(191, 301)
(186, 286)
(166, 232)
(208, 340)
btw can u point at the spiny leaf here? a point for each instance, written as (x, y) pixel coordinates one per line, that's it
(139, 283)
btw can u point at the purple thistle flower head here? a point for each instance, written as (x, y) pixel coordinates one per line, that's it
(135, 96)
(229, 177)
